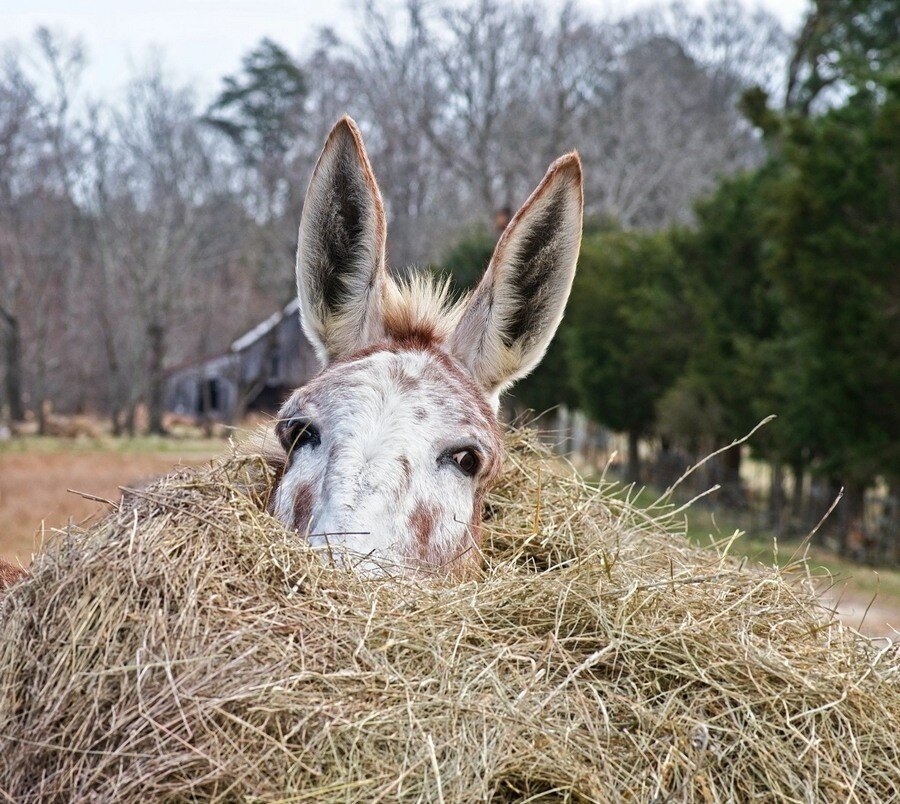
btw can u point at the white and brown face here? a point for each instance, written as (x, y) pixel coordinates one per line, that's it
(392, 447)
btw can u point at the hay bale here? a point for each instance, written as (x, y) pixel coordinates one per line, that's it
(190, 647)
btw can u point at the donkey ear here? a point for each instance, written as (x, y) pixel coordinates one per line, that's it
(341, 272)
(516, 308)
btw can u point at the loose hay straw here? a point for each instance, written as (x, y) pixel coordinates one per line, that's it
(189, 647)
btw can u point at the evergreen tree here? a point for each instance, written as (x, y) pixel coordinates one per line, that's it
(835, 228)
(848, 44)
(626, 338)
(726, 380)
(262, 112)
(548, 385)
(466, 259)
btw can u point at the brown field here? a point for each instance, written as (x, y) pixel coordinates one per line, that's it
(36, 476)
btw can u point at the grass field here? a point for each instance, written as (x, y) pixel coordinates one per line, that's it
(40, 479)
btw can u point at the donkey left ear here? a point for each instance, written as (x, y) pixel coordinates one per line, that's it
(516, 308)
(341, 272)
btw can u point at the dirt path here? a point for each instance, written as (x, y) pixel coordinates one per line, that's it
(865, 598)
(878, 618)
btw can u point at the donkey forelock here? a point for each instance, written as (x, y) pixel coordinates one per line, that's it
(392, 447)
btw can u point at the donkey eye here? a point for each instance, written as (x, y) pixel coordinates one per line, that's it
(466, 460)
(298, 433)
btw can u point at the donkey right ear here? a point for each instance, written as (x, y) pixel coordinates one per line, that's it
(519, 302)
(341, 273)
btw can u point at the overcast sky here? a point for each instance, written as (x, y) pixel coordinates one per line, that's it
(202, 40)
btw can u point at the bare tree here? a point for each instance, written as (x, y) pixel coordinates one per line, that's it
(159, 221)
(56, 253)
(17, 126)
(39, 159)
(486, 92)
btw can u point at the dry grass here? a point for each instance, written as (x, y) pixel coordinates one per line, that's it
(191, 648)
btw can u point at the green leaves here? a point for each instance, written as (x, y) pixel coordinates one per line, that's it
(835, 227)
(626, 334)
(849, 45)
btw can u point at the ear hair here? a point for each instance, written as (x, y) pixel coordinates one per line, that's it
(516, 308)
(341, 271)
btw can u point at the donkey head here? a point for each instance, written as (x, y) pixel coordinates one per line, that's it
(392, 447)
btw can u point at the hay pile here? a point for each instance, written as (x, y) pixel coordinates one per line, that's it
(188, 647)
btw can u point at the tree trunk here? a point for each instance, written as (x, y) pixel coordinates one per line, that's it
(822, 495)
(42, 405)
(12, 351)
(889, 536)
(851, 537)
(797, 496)
(156, 378)
(776, 498)
(668, 466)
(206, 419)
(732, 485)
(117, 399)
(41, 410)
(634, 458)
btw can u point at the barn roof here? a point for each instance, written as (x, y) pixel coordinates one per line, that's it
(265, 327)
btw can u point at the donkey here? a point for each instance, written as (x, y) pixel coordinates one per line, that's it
(392, 447)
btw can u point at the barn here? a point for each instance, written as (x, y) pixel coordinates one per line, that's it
(256, 373)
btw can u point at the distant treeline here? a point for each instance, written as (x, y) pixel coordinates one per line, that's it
(782, 296)
(141, 234)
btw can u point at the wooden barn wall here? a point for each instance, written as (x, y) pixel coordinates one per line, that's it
(283, 356)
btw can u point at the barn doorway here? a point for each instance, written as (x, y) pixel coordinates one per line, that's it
(210, 396)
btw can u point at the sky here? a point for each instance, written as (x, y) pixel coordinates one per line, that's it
(202, 40)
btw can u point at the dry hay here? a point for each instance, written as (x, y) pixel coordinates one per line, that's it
(188, 647)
